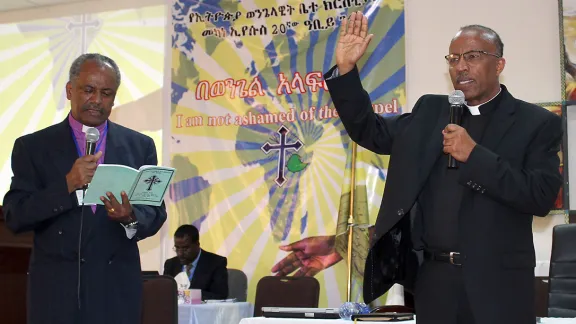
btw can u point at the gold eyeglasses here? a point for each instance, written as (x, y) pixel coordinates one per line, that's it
(469, 57)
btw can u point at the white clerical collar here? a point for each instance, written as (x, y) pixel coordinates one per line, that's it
(475, 110)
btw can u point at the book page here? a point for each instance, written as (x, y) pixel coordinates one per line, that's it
(151, 185)
(110, 177)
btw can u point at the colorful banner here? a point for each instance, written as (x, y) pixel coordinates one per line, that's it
(36, 56)
(263, 160)
(567, 17)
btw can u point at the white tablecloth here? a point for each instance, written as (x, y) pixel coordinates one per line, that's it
(214, 313)
(262, 320)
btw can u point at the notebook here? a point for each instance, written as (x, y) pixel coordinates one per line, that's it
(383, 317)
(300, 312)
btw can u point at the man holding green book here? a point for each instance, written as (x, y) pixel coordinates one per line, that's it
(85, 264)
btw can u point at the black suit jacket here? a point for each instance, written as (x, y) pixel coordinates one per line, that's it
(38, 200)
(511, 175)
(211, 275)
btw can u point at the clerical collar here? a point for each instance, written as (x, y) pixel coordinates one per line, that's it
(78, 127)
(475, 110)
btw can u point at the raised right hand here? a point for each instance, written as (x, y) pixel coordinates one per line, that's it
(82, 171)
(352, 42)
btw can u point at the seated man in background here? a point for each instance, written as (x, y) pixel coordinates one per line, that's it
(206, 271)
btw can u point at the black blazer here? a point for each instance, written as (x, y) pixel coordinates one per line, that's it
(38, 200)
(211, 275)
(511, 175)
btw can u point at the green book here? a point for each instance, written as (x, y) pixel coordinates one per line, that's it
(145, 186)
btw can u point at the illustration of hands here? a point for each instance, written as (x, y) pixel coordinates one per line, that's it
(309, 256)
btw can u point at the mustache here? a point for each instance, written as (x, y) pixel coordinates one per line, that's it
(462, 77)
(92, 107)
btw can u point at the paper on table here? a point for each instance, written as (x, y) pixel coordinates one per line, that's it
(210, 301)
(182, 280)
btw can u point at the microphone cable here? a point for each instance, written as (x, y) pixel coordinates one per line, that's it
(80, 250)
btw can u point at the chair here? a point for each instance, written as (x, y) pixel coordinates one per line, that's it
(150, 272)
(237, 285)
(15, 251)
(562, 289)
(273, 291)
(541, 297)
(160, 300)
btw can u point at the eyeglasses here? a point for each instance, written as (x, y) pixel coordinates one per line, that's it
(177, 248)
(469, 57)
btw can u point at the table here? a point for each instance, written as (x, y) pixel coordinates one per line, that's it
(262, 320)
(214, 313)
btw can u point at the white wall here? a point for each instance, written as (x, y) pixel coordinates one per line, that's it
(73, 8)
(528, 28)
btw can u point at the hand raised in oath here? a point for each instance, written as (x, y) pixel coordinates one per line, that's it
(352, 42)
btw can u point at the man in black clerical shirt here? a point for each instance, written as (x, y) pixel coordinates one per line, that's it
(441, 196)
(459, 239)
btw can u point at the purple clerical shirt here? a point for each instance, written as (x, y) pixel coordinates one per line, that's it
(80, 139)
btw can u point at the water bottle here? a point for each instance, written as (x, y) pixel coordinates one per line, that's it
(349, 308)
(365, 309)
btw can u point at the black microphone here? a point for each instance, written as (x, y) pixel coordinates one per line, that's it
(456, 100)
(92, 136)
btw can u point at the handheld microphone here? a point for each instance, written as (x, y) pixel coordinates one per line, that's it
(456, 100)
(92, 137)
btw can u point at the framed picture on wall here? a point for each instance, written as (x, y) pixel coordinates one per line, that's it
(567, 19)
(569, 111)
(562, 201)
(568, 43)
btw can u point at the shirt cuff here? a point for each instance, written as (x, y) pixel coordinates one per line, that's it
(130, 231)
(335, 74)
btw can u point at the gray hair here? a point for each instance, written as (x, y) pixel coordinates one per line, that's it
(99, 58)
(488, 34)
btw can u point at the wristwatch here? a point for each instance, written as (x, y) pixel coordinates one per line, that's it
(133, 224)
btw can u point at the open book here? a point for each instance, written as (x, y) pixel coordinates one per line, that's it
(145, 186)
